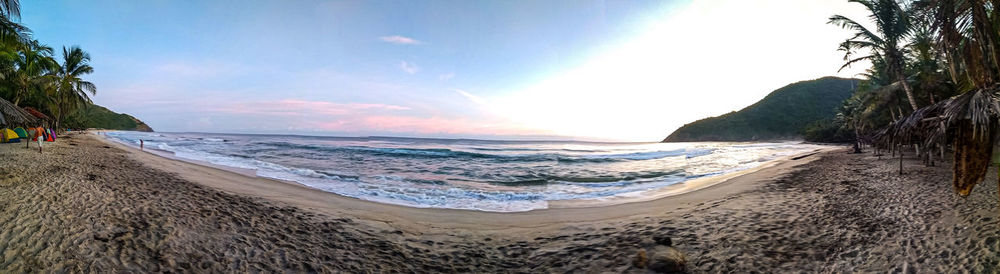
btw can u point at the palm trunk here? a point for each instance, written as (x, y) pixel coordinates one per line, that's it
(985, 35)
(908, 91)
(17, 98)
(59, 113)
(857, 141)
(950, 37)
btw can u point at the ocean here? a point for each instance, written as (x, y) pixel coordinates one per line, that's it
(504, 176)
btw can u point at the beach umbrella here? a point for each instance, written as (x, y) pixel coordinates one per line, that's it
(11, 115)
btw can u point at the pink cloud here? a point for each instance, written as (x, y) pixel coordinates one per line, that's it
(324, 116)
(292, 107)
(429, 125)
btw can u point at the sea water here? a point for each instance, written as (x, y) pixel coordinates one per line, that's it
(483, 175)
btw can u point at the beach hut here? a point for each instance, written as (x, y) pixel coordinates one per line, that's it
(39, 115)
(11, 115)
(969, 122)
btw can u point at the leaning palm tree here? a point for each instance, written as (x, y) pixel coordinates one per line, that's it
(886, 42)
(68, 90)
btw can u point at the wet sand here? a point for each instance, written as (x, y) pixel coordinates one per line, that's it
(86, 205)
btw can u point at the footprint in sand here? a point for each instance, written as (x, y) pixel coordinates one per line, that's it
(7, 179)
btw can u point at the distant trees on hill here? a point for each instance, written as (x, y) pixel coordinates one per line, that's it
(786, 113)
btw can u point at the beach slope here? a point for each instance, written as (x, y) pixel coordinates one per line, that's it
(87, 205)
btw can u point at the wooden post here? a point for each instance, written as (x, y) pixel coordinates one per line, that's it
(900, 162)
(995, 158)
(928, 151)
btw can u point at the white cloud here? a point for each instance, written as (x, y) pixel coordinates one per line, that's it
(409, 67)
(446, 76)
(709, 58)
(471, 97)
(199, 69)
(401, 40)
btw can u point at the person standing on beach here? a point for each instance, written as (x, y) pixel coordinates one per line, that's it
(39, 137)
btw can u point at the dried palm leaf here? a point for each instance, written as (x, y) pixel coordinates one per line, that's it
(973, 118)
(11, 115)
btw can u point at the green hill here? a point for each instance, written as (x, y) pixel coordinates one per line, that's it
(94, 116)
(783, 114)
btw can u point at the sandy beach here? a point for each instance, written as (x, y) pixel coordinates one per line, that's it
(87, 205)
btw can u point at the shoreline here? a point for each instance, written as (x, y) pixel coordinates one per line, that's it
(86, 206)
(698, 190)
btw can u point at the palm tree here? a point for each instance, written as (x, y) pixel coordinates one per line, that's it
(13, 36)
(31, 64)
(10, 31)
(893, 27)
(10, 8)
(968, 38)
(69, 90)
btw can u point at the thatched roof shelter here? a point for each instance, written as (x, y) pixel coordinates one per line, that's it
(11, 115)
(37, 114)
(970, 122)
(933, 123)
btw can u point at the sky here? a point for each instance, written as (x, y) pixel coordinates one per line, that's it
(585, 70)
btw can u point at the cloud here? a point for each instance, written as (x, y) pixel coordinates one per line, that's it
(422, 125)
(470, 96)
(357, 118)
(649, 85)
(446, 76)
(409, 67)
(293, 107)
(400, 40)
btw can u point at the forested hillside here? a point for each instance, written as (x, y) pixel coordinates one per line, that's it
(95, 116)
(782, 114)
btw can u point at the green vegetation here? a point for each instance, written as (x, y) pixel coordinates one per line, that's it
(94, 116)
(784, 114)
(944, 57)
(32, 76)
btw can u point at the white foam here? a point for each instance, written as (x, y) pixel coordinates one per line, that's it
(701, 160)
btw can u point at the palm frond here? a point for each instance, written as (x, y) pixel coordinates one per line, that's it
(862, 31)
(11, 115)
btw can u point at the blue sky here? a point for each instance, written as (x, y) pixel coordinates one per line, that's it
(603, 70)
